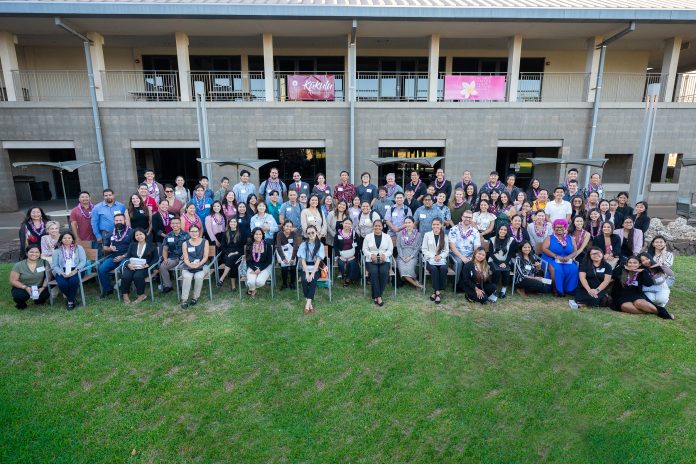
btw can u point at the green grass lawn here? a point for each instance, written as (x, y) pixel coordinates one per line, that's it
(524, 380)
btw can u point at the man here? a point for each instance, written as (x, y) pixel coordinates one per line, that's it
(273, 205)
(243, 189)
(463, 240)
(441, 184)
(466, 181)
(425, 214)
(201, 202)
(396, 215)
(573, 190)
(392, 187)
(116, 248)
(510, 187)
(103, 216)
(171, 253)
(273, 183)
(541, 201)
(417, 185)
(410, 200)
(572, 174)
(154, 188)
(204, 181)
(298, 186)
(222, 191)
(493, 183)
(558, 208)
(81, 219)
(175, 205)
(291, 209)
(344, 190)
(146, 198)
(595, 185)
(382, 204)
(366, 191)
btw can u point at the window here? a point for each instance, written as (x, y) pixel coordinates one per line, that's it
(666, 168)
(618, 168)
(403, 171)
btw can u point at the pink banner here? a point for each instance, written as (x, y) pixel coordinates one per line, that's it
(474, 87)
(311, 87)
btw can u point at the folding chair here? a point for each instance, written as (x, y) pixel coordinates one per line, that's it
(152, 273)
(328, 280)
(243, 278)
(82, 273)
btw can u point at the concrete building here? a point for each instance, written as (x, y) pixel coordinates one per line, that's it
(392, 65)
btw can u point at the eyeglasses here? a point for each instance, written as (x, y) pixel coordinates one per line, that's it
(169, 191)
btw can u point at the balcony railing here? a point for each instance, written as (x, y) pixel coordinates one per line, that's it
(3, 89)
(140, 85)
(552, 87)
(51, 85)
(685, 90)
(627, 87)
(389, 86)
(282, 91)
(230, 86)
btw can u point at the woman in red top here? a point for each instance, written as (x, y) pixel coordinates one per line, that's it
(146, 199)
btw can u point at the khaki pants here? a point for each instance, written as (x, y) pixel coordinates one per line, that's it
(198, 278)
(164, 271)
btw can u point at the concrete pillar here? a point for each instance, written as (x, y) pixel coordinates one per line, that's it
(670, 60)
(513, 71)
(348, 81)
(268, 74)
(8, 61)
(182, 58)
(246, 83)
(8, 196)
(591, 67)
(96, 50)
(433, 61)
(448, 64)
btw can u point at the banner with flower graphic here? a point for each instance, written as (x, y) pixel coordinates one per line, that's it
(474, 87)
(311, 87)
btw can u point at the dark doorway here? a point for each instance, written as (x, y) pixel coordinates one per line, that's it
(403, 171)
(307, 161)
(515, 160)
(42, 183)
(168, 163)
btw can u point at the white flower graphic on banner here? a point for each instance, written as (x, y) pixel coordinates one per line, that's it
(469, 89)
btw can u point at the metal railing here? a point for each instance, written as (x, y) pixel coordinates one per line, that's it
(281, 90)
(51, 85)
(392, 86)
(230, 86)
(140, 85)
(3, 90)
(685, 89)
(552, 87)
(627, 87)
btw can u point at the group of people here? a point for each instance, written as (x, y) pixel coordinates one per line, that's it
(571, 241)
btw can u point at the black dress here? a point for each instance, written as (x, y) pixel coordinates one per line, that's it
(594, 276)
(139, 219)
(235, 249)
(623, 292)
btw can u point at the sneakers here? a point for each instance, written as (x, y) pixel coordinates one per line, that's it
(71, 305)
(184, 305)
(166, 290)
(573, 305)
(503, 292)
(193, 302)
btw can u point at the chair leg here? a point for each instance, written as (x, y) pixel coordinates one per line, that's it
(210, 287)
(82, 293)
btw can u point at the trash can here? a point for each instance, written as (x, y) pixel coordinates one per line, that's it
(40, 191)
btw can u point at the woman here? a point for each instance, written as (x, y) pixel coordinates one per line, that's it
(259, 261)
(517, 231)
(483, 220)
(335, 221)
(243, 222)
(470, 196)
(252, 202)
(594, 223)
(310, 255)
(190, 218)
(345, 246)
(526, 214)
(286, 245)
(28, 278)
(49, 241)
(661, 254)
(627, 292)
(580, 237)
(528, 276)
(592, 201)
(313, 216)
(355, 209)
(408, 245)
(658, 293)
(31, 230)
(377, 248)
(631, 238)
(194, 254)
(215, 224)
(494, 205)
(476, 279)
(609, 243)
(161, 222)
(577, 204)
(519, 200)
(506, 205)
(68, 259)
(501, 251)
(321, 188)
(458, 205)
(327, 205)
(539, 230)
(595, 278)
(603, 207)
(641, 220)
(302, 200)
(232, 251)
(229, 205)
(435, 249)
(180, 191)
(365, 221)
(559, 250)
(138, 214)
(483, 196)
(146, 201)
(534, 189)
(141, 255)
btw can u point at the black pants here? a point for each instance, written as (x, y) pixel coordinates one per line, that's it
(136, 277)
(439, 276)
(502, 276)
(287, 274)
(530, 285)
(21, 297)
(379, 274)
(231, 264)
(309, 288)
(582, 297)
(488, 287)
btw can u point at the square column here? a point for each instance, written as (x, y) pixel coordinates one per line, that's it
(246, 79)
(592, 67)
(96, 50)
(433, 62)
(670, 60)
(8, 60)
(268, 75)
(513, 71)
(182, 58)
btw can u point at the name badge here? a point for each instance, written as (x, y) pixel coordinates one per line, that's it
(304, 187)
(528, 267)
(340, 189)
(601, 271)
(141, 211)
(368, 190)
(290, 240)
(387, 207)
(243, 190)
(422, 216)
(170, 239)
(116, 212)
(40, 269)
(191, 249)
(327, 191)
(340, 237)
(207, 206)
(171, 216)
(69, 263)
(288, 209)
(310, 217)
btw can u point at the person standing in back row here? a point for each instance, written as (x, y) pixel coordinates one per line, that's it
(244, 188)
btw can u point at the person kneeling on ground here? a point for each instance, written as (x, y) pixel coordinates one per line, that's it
(627, 292)
(476, 279)
(28, 278)
(595, 278)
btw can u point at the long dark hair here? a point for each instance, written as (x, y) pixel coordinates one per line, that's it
(651, 247)
(441, 236)
(317, 242)
(632, 231)
(624, 273)
(588, 261)
(237, 233)
(59, 243)
(532, 254)
(44, 217)
(656, 270)
(501, 243)
(143, 206)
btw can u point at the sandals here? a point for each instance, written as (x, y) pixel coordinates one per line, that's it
(438, 299)
(433, 296)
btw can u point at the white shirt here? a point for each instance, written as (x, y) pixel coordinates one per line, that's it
(558, 210)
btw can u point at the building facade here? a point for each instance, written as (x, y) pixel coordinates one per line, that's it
(381, 85)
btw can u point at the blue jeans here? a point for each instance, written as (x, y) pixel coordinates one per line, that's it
(68, 286)
(105, 268)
